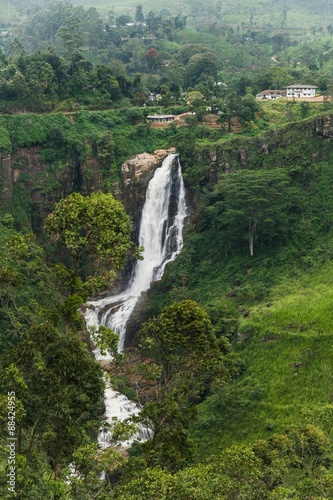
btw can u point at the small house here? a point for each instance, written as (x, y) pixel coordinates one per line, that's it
(161, 118)
(272, 95)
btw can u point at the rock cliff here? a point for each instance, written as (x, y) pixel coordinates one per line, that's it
(35, 185)
(136, 174)
(140, 167)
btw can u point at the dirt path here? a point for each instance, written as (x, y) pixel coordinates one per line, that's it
(319, 98)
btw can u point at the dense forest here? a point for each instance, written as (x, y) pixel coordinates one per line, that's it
(230, 353)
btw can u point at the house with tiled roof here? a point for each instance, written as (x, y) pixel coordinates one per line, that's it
(272, 95)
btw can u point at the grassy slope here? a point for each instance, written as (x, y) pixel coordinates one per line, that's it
(282, 299)
(287, 349)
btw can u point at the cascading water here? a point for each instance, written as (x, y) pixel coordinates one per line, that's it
(161, 228)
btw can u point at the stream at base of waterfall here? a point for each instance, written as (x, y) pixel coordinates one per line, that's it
(161, 228)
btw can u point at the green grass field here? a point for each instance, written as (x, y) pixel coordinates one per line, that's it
(287, 347)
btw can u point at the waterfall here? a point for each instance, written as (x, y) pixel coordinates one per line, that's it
(160, 234)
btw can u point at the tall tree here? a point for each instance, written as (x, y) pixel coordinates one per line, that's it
(187, 357)
(252, 205)
(95, 231)
(72, 37)
(139, 17)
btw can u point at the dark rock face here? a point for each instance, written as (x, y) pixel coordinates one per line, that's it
(324, 127)
(42, 185)
(135, 321)
(172, 210)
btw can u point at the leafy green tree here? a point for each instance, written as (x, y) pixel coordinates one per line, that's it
(43, 26)
(201, 67)
(60, 71)
(91, 463)
(184, 140)
(95, 231)
(249, 108)
(152, 21)
(93, 27)
(123, 20)
(106, 152)
(105, 82)
(24, 277)
(166, 96)
(180, 331)
(16, 49)
(5, 142)
(18, 86)
(252, 205)
(305, 108)
(231, 106)
(276, 77)
(61, 386)
(187, 356)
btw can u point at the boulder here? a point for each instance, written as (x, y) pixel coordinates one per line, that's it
(140, 166)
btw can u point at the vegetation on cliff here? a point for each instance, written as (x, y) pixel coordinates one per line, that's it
(231, 352)
(259, 355)
(46, 364)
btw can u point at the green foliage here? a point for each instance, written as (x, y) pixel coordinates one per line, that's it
(107, 341)
(187, 357)
(178, 327)
(181, 340)
(5, 143)
(61, 385)
(122, 384)
(96, 227)
(90, 463)
(251, 205)
(23, 278)
(250, 472)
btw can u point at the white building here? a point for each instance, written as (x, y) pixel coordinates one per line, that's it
(161, 118)
(301, 91)
(271, 94)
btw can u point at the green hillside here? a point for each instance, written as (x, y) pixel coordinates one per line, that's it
(286, 345)
(275, 307)
(231, 353)
(270, 313)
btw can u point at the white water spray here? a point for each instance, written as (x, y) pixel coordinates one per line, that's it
(161, 228)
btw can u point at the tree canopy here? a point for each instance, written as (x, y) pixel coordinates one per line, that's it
(94, 229)
(252, 205)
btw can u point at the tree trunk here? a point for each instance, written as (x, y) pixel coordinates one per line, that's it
(251, 243)
(33, 433)
(252, 232)
(57, 468)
